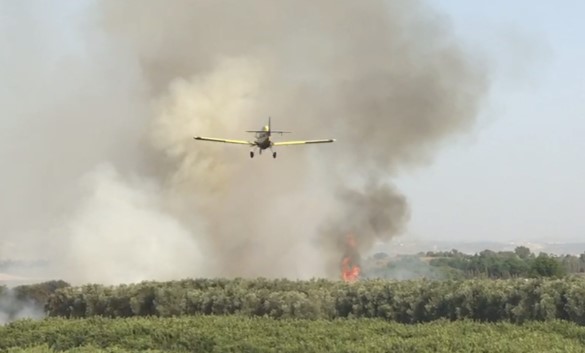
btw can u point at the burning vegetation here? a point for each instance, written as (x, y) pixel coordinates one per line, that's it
(350, 263)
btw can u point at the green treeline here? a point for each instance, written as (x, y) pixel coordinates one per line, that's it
(244, 334)
(506, 264)
(417, 301)
(520, 263)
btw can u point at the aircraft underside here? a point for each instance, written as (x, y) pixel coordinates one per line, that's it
(261, 148)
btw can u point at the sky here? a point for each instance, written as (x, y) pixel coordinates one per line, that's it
(520, 176)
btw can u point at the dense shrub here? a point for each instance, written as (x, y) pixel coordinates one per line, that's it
(417, 301)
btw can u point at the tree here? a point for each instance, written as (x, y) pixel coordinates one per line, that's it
(547, 266)
(522, 252)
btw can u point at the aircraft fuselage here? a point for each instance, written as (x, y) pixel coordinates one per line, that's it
(263, 142)
(263, 139)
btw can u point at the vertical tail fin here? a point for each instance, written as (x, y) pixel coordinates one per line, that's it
(275, 131)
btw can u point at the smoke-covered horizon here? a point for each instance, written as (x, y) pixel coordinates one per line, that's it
(108, 184)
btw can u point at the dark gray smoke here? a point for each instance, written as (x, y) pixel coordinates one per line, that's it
(374, 213)
(386, 78)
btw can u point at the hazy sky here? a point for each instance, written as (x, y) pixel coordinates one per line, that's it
(521, 175)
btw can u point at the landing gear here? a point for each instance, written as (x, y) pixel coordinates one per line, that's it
(251, 154)
(273, 154)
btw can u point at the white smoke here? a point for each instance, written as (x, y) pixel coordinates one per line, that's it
(120, 234)
(12, 309)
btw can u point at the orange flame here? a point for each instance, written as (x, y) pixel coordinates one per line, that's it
(350, 271)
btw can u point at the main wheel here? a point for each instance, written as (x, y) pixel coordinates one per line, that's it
(251, 154)
(273, 154)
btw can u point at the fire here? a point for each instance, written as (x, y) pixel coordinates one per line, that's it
(349, 272)
(350, 269)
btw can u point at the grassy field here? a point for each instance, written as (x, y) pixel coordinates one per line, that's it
(245, 334)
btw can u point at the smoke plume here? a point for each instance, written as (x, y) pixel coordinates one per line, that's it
(12, 308)
(111, 186)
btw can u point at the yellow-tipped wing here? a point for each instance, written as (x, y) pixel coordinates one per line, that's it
(290, 143)
(237, 142)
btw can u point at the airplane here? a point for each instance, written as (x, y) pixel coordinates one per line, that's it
(263, 140)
